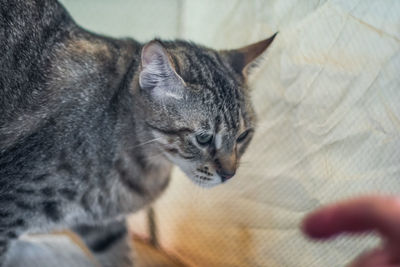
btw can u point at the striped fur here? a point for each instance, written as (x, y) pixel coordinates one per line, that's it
(91, 126)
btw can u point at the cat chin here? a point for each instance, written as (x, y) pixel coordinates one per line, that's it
(203, 184)
(189, 170)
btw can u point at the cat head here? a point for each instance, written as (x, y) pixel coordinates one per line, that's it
(198, 105)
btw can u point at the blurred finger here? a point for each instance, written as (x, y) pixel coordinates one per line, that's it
(357, 215)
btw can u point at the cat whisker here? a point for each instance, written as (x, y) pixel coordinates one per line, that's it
(145, 143)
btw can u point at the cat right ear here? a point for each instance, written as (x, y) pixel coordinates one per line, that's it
(157, 75)
(243, 59)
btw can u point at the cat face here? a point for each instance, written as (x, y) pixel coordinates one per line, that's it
(199, 109)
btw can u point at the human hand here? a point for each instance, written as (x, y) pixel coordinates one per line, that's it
(370, 213)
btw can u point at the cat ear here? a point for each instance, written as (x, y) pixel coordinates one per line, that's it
(241, 59)
(157, 74)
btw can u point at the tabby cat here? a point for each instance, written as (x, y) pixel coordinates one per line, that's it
(91, 126)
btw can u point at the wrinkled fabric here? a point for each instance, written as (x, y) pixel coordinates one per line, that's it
(327, 95)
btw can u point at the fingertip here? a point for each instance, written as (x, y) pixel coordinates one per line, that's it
(317, 225)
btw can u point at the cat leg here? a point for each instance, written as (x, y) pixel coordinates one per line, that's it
(109, 243)
(4, 243)
(47, 250)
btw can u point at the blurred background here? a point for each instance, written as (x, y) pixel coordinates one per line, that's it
(327, 96)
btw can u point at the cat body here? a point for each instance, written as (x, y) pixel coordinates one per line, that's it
(67, 127)
(91, 126)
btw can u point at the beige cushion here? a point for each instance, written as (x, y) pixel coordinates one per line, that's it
(327, 97)
(328, 102)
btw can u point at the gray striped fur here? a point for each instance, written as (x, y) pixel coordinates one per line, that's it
(91, 126)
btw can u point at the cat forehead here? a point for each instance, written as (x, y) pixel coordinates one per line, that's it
(201, 65)
(222, 108)
(217, 95)
(223, 122)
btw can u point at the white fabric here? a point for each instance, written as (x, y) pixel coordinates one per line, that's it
(328, 102)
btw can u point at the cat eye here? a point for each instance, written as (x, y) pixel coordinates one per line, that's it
(203, 138)
(243, 136)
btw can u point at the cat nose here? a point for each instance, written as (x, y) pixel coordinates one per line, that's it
(226, 175)
(226, 166)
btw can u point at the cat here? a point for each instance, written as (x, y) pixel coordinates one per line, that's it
(90, 126)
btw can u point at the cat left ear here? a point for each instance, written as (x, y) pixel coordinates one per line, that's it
(241, 59)
(157, 74)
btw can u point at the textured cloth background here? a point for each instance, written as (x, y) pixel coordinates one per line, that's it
(328, 101)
